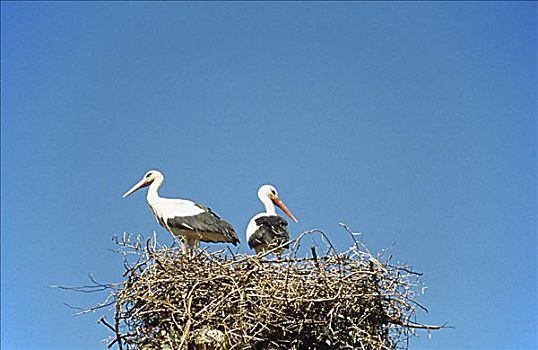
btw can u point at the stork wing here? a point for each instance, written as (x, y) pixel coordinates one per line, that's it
(211, 227)
(272, 231)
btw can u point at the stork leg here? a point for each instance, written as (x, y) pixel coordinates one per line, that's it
(190, 245)
(184, 247)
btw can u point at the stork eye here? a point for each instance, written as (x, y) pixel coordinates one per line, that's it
(148, 175)
(273, 192)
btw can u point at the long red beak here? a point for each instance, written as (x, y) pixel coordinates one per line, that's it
(282, 206)
(139, 185)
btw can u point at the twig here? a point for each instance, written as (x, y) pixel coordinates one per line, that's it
(224, 299)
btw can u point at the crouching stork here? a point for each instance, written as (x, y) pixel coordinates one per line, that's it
(267, 230)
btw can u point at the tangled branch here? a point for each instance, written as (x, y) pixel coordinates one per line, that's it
(218, 300)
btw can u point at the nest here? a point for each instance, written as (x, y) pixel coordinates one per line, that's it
(220, 300)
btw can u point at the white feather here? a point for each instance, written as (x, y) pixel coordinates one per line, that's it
(252, 226)
(170, 208)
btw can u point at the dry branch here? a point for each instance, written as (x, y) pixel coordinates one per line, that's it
(219, 300)
(213, 300)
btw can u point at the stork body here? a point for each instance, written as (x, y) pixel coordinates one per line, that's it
(191, 221)
(267, 230)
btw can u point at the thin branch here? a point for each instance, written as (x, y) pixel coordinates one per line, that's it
(346, 300)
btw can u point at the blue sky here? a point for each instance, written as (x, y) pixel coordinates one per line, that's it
(414, 123)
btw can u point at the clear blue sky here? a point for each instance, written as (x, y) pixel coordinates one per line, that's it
(414, 123)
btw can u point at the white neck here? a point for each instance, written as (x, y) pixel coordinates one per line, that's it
(152, 195)
(268, 204)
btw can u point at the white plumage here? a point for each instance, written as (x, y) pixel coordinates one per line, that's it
(268, 230)
(191, 221)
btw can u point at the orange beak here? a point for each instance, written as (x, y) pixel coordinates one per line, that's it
(282, 206)
(139, 185)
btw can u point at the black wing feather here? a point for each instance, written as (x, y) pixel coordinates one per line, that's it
(207, 221)
(272, 231)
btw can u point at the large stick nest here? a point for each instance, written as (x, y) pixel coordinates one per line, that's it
(218, 300)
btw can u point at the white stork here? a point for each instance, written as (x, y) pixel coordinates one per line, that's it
(191, 221)
(267, 230)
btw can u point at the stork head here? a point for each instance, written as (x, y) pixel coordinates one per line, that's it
(268, 191)
(150, 177)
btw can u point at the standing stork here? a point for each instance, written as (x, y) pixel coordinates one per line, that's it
(267, 230)
(191, 221)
